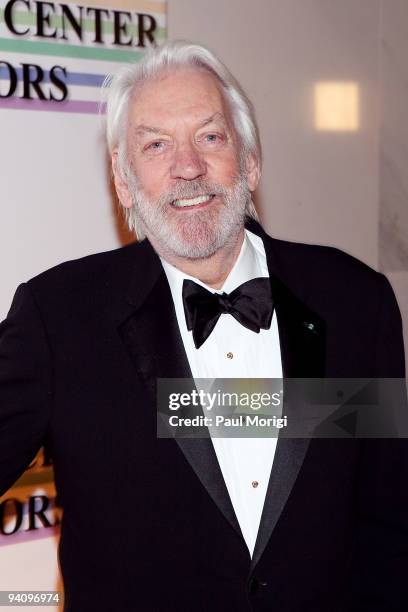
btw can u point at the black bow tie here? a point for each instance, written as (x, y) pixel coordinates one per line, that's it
(251, 304)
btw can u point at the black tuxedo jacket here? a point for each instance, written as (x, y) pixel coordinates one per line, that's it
(147, 523)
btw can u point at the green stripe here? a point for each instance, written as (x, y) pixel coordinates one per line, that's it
(63, 50)
(88, 25)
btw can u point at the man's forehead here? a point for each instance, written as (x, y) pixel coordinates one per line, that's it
(193, 95)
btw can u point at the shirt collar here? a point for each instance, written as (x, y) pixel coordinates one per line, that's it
(251, 263)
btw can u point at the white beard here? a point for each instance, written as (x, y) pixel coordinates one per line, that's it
(194, 234)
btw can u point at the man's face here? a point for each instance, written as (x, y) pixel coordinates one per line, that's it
(186, 183)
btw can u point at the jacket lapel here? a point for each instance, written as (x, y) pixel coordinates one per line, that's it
(152, 338)
(302, 338)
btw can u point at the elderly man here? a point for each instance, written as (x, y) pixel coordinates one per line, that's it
(202, 524)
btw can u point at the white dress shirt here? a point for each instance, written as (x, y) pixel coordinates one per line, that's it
(233, 351)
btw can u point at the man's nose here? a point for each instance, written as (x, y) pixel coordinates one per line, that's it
(188, 164)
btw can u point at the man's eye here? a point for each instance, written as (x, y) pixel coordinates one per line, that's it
(213, 139)
(157, 145)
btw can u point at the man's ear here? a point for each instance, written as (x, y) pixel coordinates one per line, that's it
(253, 172)
(121, 186)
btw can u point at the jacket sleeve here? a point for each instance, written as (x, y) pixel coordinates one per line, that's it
(390, 342)
(381, 545)
(25, 386)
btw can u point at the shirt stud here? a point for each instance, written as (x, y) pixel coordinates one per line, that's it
(255, 483)
(230, 355)
(310, 326)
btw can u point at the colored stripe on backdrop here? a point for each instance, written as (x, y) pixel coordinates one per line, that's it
(62, 50)
(72, 78)
(68, 106)
(29, 536)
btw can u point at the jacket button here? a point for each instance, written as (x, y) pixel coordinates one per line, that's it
(255, 584)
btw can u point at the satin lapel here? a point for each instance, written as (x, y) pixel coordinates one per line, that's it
(302, 342)
(153, 341)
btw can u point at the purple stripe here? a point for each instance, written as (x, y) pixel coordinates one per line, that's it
(29, 536)
(68, 106)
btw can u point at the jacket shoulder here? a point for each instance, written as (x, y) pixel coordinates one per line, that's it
(328, 279)
(321, 262)
(89, 284)
(98, 268)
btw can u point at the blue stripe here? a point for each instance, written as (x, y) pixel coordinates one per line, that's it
(72, 78)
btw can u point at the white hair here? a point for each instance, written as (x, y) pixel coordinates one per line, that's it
(175, 55)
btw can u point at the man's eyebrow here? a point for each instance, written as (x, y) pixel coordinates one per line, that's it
(147, 128)
(212, 118)
(150, 129)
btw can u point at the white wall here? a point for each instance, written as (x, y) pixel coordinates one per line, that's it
(322, 187)
(316, 187)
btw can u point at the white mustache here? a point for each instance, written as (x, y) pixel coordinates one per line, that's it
(185, 191)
